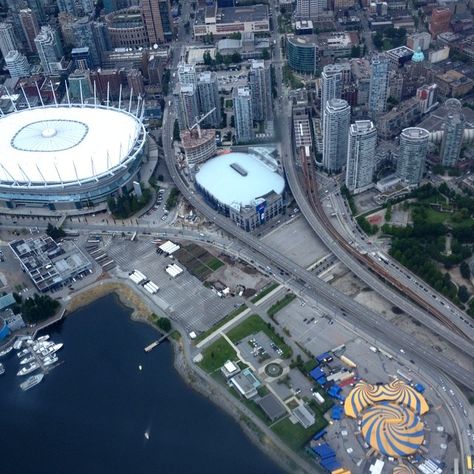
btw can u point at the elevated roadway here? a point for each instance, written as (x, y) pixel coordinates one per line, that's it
(367, 320)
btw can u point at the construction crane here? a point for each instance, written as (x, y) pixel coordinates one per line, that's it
(199, 120)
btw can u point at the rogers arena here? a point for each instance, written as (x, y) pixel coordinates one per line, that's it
(68, 156)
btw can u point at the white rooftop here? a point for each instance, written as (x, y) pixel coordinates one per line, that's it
(64, 144)
(238, 185)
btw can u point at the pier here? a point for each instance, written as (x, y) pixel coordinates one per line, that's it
(154, 344)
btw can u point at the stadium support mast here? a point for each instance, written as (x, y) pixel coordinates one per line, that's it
(75, 171)
(9, 174)
(54, 93)
(39, 94)
(59, 174)
(41, 174)
(108, 94)
(95, 95)
(139, 97)
(93, 169)
(120, 97)
(80, 91)
(24, 174)
(11, 98)
(130, 100)
(67, 94)
(25, 96)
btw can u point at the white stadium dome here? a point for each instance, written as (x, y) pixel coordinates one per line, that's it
(66, 152)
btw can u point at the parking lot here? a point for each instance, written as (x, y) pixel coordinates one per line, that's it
(184, 298)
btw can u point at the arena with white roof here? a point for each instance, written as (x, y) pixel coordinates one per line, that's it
(244, 186)
(68, 156)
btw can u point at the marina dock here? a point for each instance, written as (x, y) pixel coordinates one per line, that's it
(154, 344)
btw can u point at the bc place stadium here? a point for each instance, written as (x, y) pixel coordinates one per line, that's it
(69, 156)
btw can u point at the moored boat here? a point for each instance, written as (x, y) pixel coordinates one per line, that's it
(28, 369)
(31, 381)
(4, 352)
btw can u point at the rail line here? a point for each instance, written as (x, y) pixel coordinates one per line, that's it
(311, 188)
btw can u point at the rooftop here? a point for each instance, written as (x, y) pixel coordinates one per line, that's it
(234, 188)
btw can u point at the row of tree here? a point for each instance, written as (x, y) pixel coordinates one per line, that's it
(128, 203)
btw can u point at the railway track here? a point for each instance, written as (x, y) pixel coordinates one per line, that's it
(312, 192)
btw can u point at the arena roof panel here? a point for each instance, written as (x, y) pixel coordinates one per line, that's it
(55, 145)
(221, 179)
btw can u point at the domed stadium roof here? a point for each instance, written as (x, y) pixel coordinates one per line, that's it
(392, 430)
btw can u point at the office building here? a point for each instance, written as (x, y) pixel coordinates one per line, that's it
(8, 40)
(419, 40)
(411, 160)
(186, 74)
(225, 21)
(243, 114)
(187, 101)
(426, 95)
(208, 91)
(335, 135)
(453, 133)
(30, 27)
(361, 158)
(135, 82)
(310, 9)
(379, 85)
(92, 35)
(76, 7)
(80, 86)
(440, 21)
(302, 53)
(261, 88)
(49, 48)
(17, 64)
(157, 20)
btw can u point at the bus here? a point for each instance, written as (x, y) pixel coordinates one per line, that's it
(469, 462)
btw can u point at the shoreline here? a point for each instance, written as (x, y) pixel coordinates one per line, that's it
(140, 312)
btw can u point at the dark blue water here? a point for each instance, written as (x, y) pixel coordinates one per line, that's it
(89, 415)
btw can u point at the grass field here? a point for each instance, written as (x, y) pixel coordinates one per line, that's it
(265, 291)
(254, 324)
(296, 436)
(221, 323)
(198, 261)
(214, 263)
(280, 304)
(215, 355)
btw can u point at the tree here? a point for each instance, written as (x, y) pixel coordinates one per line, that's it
(388, 213)
(236, 57)
(55, 232)
(463, 294)
(208, 61)
(164, 324)
(176, 135)
(465, 271)
(219, 58)
(355, 52)
(38, 308)
(265, 54)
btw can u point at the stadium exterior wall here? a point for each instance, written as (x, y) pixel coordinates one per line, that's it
(82, 194)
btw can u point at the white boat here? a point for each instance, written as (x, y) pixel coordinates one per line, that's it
(43, 338)
(2, 369)
(23, 353)
(17, 345)
(28, 369)
(57, 346)
(6, 351)
(31, 381)
(48, 360)
(27, 359)
(41, 346)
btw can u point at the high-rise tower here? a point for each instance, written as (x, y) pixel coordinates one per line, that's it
(261, 87)
(361, 156)
(379, 85)
(336, 132)
(453, 133)
(8, 40)
(208, 91)
(243, 110)
(157, 20)
(413, 149)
